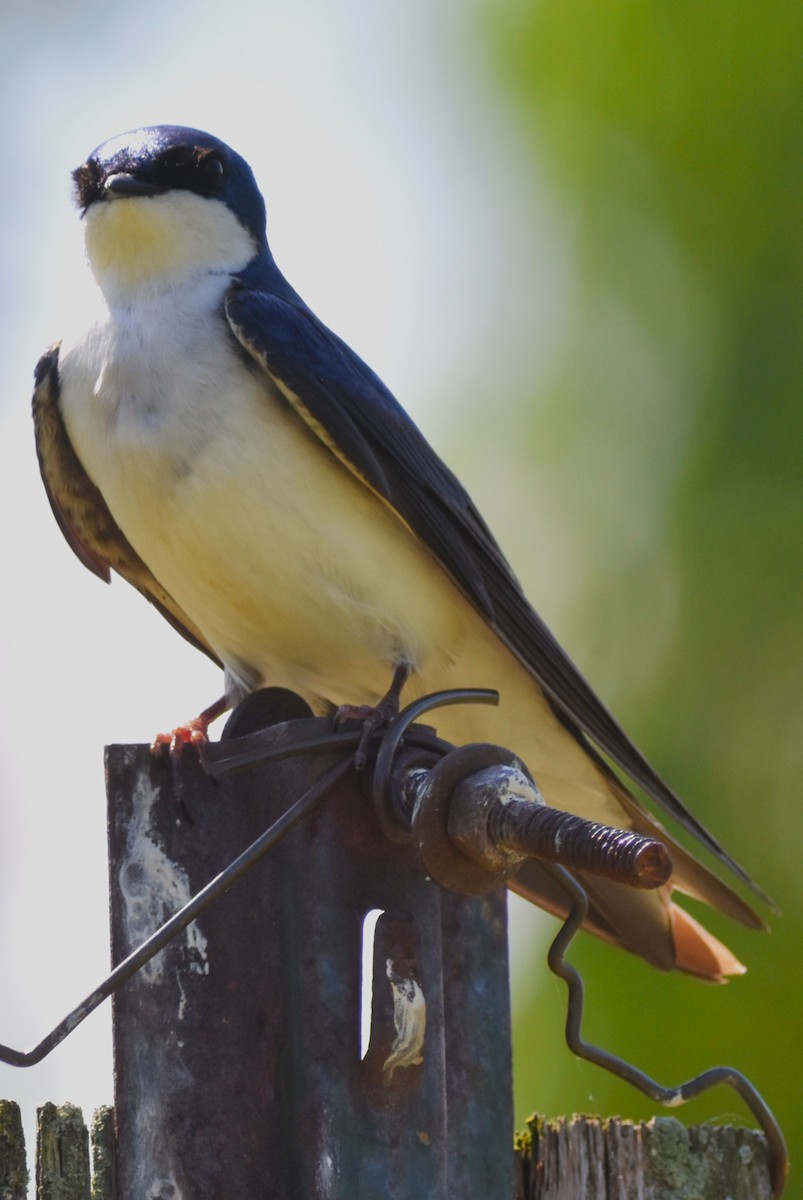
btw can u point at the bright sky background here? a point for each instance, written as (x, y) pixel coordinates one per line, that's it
(392, 207)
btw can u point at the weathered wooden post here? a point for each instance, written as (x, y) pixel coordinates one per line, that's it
(13, 1166)
(238, 1070)
(660, 1159)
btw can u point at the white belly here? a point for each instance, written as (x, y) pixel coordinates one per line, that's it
(289, 566)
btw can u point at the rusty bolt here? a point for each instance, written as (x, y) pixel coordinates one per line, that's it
(477, 815)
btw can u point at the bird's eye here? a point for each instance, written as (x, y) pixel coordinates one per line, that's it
(212, 167)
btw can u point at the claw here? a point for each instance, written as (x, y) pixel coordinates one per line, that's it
(376, 716)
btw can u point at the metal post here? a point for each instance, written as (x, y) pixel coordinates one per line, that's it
(237, 1050)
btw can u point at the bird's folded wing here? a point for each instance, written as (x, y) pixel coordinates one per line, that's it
(81, 511)
(345, 404)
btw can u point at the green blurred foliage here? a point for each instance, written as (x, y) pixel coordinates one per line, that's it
(672, 437)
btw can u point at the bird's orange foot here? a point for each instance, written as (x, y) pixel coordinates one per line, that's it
(191, 733)
(375, 716)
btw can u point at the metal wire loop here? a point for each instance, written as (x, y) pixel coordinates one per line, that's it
(671, 1097)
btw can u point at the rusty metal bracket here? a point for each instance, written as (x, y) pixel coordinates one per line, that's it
(248, 1059)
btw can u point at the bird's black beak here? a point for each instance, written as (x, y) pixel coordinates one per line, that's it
(124, 184)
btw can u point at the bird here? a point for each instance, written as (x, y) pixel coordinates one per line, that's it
(207, 438)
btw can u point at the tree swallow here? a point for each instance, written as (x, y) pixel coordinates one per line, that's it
(211, 441)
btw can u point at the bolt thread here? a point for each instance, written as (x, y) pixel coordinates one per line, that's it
(547, 833)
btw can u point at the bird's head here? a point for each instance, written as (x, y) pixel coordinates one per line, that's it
(165, 203)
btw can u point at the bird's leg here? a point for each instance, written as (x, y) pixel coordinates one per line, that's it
(375, 716)
(193, 733)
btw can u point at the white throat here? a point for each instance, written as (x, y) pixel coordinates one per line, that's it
(137, 244)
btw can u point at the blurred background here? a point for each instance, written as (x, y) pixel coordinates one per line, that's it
(567, 234)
